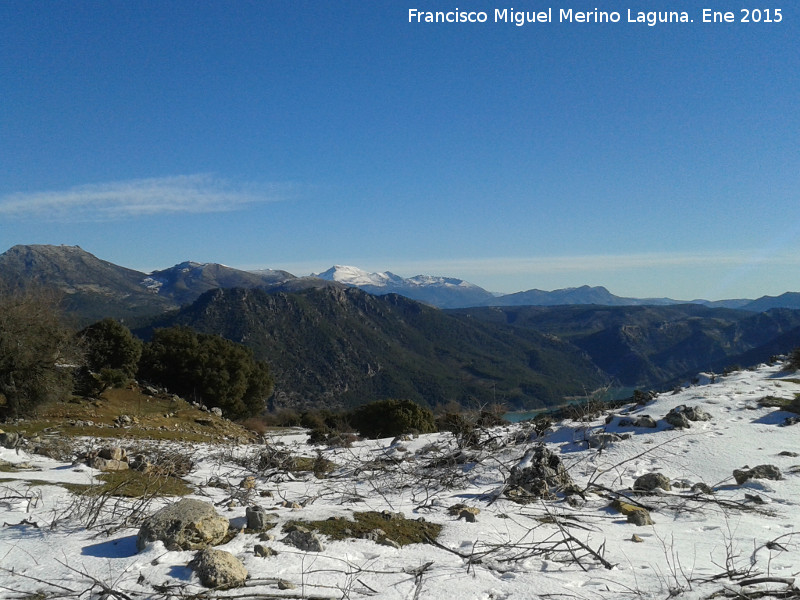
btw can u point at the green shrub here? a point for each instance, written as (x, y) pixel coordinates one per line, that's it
(110, 345)
(389, 418)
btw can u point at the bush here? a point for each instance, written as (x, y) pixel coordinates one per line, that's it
(110, 345)
(37, 353)
(390, 418)
(207, 369)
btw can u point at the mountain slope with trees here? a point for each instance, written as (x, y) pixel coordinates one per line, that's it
(343, 347)
(643, 346)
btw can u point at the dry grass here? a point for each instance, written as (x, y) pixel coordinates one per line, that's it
(162, 417)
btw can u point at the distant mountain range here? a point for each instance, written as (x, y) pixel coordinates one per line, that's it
(332, 344)
(95, 288)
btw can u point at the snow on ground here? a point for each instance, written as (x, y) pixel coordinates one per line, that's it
(700, 546)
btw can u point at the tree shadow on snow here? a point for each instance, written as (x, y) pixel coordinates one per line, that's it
(119, 548)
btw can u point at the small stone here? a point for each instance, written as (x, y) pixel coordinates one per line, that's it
(636, 538)
(384, 541)
(264, 551)
(702, 488)
(286, 585)
(248, 483)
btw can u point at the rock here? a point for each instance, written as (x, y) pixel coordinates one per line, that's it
(702, 488)
(10, 440)
(259, 519)
(303, 539)
(539, 474)
(108, 464)
(185, 525)
(689, 413)
(637, 515)
(388, 515)
(469, 514)
(760, 472)
(789, 453)
(113, 453)
(123, 421)
(384, 541)
(216, 411)
(264, 551)
(677, 420)
(219, 569)
(248, 483)
(286, 585)
(650, 482)
(636, 538)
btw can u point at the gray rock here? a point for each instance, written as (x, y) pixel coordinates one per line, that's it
(538, 475)
(677, 420)
(258, 519)
(264, 551)
(10, 439)
(303, 539)
(216, 411)
(702, 488)
(185, 525)
(760, 472)
(651, 481)
(680, 416)
(219, 569)
(640, 518)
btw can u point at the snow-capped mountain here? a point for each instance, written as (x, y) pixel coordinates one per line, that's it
(444, 292)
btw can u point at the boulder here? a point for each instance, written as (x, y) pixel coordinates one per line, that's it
(10, 440)
(651, 481)
(219, 569)
(185, 525)
(760, 472)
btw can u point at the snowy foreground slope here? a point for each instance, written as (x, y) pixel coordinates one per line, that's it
(742, 541)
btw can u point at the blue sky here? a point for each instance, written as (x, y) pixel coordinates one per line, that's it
(657, 161)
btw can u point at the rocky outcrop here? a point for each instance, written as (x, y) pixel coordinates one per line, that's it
(186, 525)
(539, 474)
(219, 569)
(760, 472)
(680, 416)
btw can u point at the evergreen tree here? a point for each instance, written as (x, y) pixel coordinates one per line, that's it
(208, 369)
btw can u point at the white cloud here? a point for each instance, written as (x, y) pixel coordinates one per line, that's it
(199, 193)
